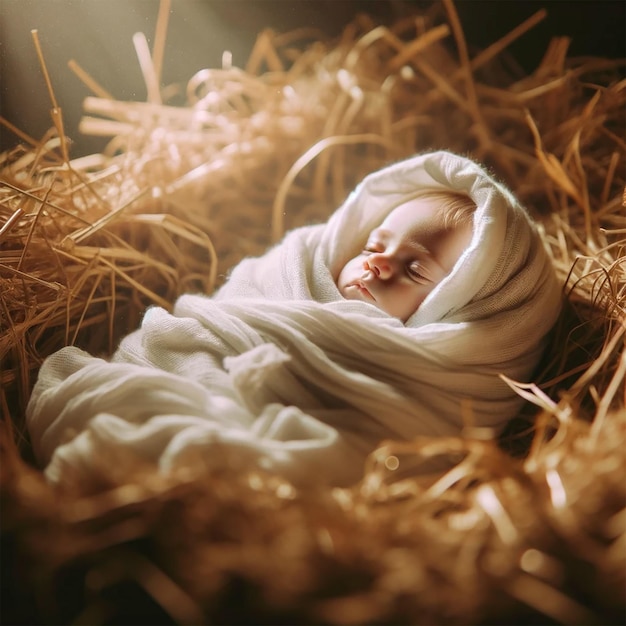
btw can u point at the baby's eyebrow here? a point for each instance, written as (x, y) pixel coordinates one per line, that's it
(425, 252)
(415, 242)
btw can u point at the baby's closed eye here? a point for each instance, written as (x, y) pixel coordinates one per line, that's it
(415, 271)
(373, 249)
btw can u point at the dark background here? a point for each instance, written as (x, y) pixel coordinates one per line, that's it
(98, 35)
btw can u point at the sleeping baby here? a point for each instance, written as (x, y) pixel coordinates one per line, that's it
(390, 321)
(411, 252)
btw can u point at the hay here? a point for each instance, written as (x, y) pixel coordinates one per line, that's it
(183, 192)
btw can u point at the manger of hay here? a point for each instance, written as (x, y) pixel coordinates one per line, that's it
(525, 530)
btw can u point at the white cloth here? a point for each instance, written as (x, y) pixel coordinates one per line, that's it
(300, 380)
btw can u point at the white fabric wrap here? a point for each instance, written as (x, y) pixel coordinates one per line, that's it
(302, 382)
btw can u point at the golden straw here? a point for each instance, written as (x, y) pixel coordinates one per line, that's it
(160, 33)
(179, 196)
(88, 80)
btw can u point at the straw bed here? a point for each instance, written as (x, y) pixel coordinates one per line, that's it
(530, 529)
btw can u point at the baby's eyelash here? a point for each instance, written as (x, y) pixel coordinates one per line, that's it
(370, 250)
(413, 271)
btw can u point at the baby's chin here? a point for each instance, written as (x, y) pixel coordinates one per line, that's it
(355, 292)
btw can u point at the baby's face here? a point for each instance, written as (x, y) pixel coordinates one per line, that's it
(404, 259)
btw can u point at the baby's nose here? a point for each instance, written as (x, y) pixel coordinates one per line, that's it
(380, 264)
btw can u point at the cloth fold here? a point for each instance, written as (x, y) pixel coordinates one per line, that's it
(300, 381)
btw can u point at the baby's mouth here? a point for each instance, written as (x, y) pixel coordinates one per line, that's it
(363, 289)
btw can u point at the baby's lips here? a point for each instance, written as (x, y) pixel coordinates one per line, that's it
(361, 285)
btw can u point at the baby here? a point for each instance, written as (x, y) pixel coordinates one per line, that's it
(393, 320)
(410, 253)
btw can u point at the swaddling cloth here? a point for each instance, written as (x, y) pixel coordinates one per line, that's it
(278, 366)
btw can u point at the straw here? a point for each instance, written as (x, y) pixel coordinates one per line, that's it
(529, 528)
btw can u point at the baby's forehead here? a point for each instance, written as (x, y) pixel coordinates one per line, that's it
(413, 216)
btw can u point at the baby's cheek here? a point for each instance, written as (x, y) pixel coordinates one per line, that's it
(347, 273)
(414, 297)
